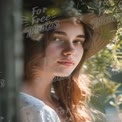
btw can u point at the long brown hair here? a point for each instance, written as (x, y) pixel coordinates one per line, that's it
(73, 91)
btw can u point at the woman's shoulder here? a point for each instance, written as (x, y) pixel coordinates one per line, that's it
(26, 100)
(35, 110)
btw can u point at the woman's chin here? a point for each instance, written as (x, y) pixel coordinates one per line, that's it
(63, 74)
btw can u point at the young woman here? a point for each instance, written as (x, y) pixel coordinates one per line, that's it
(53, 88)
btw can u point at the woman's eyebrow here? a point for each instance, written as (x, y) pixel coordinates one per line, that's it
(60, 33)
(81, 36)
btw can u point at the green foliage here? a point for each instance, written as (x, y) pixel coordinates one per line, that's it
(101, 7)
(102, 66)
(108, 61)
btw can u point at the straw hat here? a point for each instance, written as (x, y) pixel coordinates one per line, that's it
(104, 27)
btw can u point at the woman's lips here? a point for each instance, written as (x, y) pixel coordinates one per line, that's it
(66, 63)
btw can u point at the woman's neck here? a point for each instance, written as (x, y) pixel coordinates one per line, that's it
(39, 87)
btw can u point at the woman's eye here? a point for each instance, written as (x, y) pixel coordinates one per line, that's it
(57, 39)
(78, 42)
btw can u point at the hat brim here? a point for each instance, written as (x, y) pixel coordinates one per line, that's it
(104, 27)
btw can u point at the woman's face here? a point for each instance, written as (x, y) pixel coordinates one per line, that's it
(65, 49)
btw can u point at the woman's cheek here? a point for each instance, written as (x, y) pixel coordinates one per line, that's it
(79, 56)
(53, 48)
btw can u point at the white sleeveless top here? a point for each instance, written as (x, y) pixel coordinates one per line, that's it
(35, 110)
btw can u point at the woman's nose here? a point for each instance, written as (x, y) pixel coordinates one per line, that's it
(68, 49)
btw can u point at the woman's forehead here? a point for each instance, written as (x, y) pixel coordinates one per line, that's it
(70, 24)
(71, 20)
(70, 29)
